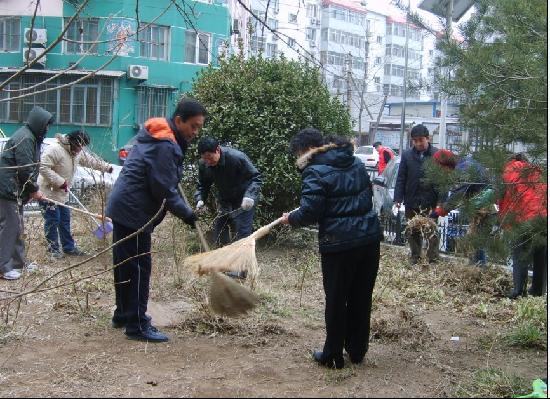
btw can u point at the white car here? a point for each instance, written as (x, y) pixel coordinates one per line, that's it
(368, 155)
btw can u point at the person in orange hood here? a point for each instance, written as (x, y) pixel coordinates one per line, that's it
(525, 198)
(150, 176)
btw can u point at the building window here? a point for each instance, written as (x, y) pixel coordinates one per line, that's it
(379, 39)
(292, 18)
(86, 103)
(197, 47)
(376, 79)
(273, 24)
(10, 33)
(151, 102)
(257, 44)
(153, 41)
(378, 61)
(310, 34)
(431, 53)
(82, 30)
(271, 51)
(291, 42)
(312, 11)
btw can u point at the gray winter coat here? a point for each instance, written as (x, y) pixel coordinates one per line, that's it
(20, 158)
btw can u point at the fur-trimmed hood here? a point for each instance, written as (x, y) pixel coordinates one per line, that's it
(342, 156)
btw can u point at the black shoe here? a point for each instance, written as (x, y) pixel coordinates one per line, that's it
(75, 252)
(237, 275)
(331, 364)
(513, 295)
(150, 334)
(413, 261)
(118, 323)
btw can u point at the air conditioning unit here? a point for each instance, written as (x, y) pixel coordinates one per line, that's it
(312, 44)
(32, 53)
(38, 36)
(140, 72)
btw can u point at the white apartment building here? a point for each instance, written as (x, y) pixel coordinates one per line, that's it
(364, 35)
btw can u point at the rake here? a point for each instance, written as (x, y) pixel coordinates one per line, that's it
(226, 297)
(106, 220)
(103, 229)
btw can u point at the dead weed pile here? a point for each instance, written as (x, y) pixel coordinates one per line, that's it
(406, 328)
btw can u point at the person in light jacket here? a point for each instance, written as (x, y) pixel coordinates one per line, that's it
(57, 168)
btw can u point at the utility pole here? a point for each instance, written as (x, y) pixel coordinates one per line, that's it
(348, 80)
(364, 85)
(444, 98)
(405, 77)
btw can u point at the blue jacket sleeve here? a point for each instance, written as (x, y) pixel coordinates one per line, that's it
(162, 176)
(313, 201)
(401, 181)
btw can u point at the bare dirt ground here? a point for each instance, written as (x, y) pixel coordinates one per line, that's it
(60, 342)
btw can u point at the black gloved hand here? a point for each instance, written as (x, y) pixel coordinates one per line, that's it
(191, 219)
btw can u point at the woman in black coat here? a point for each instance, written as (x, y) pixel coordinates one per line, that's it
(337, 194)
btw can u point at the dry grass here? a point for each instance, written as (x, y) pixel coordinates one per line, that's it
(292, 300)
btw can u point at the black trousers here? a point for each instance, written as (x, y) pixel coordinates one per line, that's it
(131, 278)
(522, 256)
(348, 280)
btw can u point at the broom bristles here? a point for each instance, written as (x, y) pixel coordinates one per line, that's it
(237, 257)
(229, 298)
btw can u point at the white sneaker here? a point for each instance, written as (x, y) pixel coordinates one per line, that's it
(11, 275)
(31, 267)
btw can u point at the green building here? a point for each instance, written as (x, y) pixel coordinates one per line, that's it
(143, 62)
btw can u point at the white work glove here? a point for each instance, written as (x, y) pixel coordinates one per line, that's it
(247, 203)
(200, 206)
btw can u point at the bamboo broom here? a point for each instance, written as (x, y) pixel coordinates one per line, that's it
(236, 257)
(226, 297)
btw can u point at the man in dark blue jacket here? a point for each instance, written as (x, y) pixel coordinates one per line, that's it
(418, 196)
(337, 194)
(150, 176)
(238, 184)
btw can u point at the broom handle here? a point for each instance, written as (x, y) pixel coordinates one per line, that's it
(95, 215)
(197, 227)
(262, 231)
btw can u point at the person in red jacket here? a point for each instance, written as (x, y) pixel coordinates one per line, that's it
(385, 155)
(525, 198)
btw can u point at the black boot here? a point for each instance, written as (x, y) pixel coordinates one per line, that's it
(320, 358)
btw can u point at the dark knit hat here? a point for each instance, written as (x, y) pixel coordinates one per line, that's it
(420, 131)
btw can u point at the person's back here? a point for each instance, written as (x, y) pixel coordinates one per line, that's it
(345, 216)
(525, 193)
(337, 194)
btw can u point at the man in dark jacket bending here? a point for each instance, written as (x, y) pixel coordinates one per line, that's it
(150, 176)
(418, 196)
(238, 184)
(337, 194)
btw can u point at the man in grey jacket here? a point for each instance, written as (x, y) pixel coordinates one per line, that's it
(238, 184)
(19, 164)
